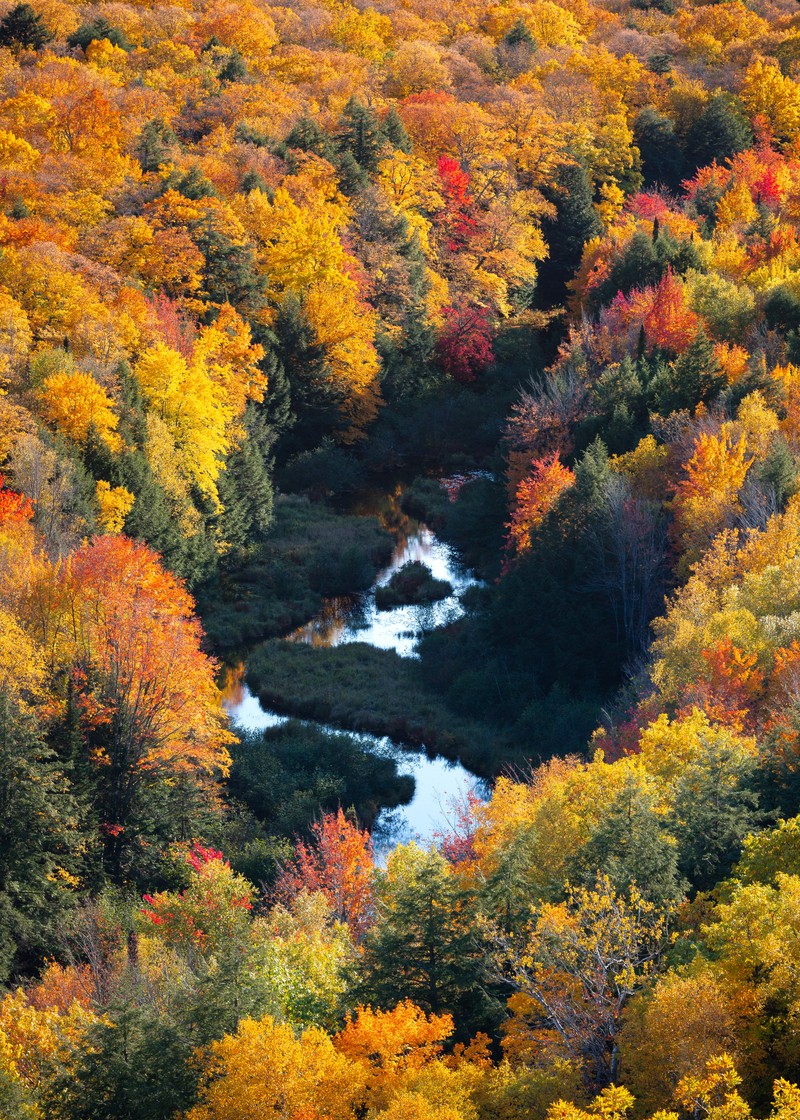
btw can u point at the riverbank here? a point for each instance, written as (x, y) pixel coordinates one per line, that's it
(358, 687)
(310, 553)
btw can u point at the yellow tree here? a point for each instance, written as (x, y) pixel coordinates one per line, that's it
(264, 1070)
(75, 403)
(301, 252)
(579, 964)
(707, 498)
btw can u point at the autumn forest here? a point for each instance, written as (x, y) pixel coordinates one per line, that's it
(423, 378)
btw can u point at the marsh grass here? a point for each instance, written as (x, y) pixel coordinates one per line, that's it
(310, 552)
(361, 688)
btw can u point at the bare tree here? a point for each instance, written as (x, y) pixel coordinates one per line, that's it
(628, 545)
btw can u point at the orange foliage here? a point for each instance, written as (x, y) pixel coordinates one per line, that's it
(730, 691)
(338, 863)
(392, 1044)
(14, 508)
(536, 496)
(662, 312)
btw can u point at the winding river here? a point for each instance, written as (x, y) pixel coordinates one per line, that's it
(439, 784)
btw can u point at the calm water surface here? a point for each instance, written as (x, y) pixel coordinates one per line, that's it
(439, 784)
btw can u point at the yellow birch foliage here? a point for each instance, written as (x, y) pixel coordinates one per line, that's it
(75, 403)
(264, 1070)
(302, 255)
(193, 407)
(706, 499)
(115, 503)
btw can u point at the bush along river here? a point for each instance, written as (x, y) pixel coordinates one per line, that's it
(350, 668)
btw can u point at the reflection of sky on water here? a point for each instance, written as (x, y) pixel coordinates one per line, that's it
(357, 618)
(438, 783)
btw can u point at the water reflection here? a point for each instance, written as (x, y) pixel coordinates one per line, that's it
(357, 619)
(439, 784)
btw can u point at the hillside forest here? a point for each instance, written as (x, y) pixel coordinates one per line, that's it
(268, 270)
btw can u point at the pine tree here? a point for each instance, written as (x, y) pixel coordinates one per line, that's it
(361, 135)
(307, 136)
(574, 223)
(154, 144)
(659, 146)
(22, 28)
(245, 489)
(422, 946)
(38, 840)
(719, 133)
(631, 845)
(134, 1066)
(395, 132)
(694, 377)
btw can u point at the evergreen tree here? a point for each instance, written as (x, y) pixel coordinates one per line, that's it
(97, 29)
(779, 473)
(193, 184)
(39, 838)
(134, 1067)
(252, 181)
(782, 310)
(230, 274)
(644, 263)
(714, 808)
(720, 132)
(695, 376)
(422, 946)
(519, 34)
(361, 135)
(307, 136)
(660, 150)
(245, 488)
(22, 28)
(234, 69)
(315, 402)
(154, 145)
(352, 176)
(631, 845)
(276, 407)
(395, 132)
(574, 223)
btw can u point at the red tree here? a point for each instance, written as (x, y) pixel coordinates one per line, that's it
(339, 863)
(464, 349)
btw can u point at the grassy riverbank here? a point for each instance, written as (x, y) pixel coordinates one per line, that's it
(310, 552)
(287, 775)
(362, 688)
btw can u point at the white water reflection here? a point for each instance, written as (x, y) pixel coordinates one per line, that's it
(357, 618)
(439, 784)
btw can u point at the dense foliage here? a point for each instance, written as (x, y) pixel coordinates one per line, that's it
(252, 258)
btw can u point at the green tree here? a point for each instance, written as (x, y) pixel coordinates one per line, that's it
(715, 806)
(662, 157)
(245, 488)
(632, 846)
(395, 132)
(361, 135)
(423, 945)
(720, 132)
(134, 1067)
(574, 223)
(39, 836)
(154, 146)
(694, 377)
(95, 30)
(22, 28)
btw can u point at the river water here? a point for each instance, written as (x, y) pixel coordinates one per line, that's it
(439, 784)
